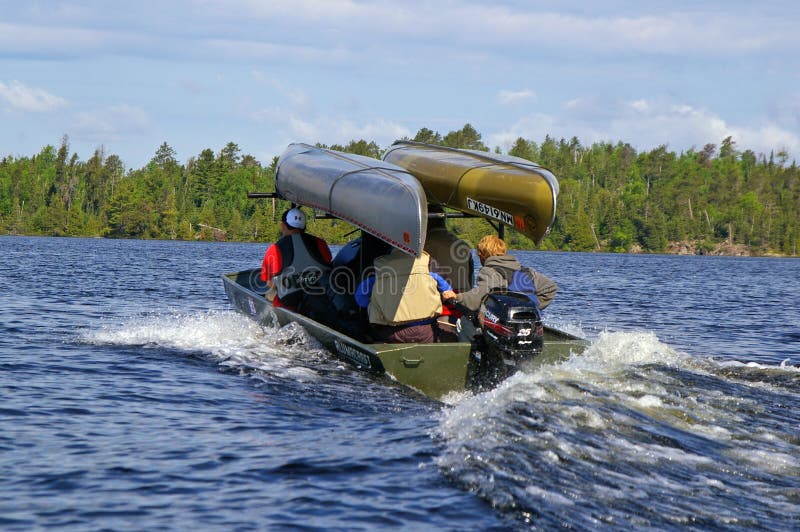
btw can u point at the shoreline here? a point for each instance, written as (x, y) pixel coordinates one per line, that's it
(683, 247)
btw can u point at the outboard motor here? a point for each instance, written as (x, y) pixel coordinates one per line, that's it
(512, 333)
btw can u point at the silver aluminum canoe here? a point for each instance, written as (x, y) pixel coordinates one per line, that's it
(379, 197)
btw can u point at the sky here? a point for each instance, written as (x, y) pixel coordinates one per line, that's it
(129, 76)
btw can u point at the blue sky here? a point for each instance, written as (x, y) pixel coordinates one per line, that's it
(198, 74)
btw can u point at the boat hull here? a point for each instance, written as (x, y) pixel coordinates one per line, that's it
(502, 188)
(434, 370)
(376, 196)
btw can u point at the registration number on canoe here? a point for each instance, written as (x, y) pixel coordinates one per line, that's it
(488, 210)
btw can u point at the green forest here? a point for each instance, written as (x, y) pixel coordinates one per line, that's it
(717, 200)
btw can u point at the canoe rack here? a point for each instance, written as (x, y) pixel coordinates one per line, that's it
(500, 228)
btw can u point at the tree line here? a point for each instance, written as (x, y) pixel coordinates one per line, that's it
(612, 198)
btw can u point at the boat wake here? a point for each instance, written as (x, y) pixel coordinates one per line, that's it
(632, 433)
(228, 338)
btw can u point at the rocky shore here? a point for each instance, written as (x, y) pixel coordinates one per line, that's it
(689, 247)
(695, 248)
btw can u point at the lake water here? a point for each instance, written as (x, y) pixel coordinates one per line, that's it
(134, 398)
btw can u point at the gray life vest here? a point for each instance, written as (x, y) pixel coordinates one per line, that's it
(304, 270)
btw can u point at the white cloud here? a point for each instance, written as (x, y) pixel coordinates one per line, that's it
(329, 129)
(253, 49)
(346, 31)
(646, 124)
(382, 131)
(586, 107)
(20, 97)
(43, 40)
(288, 127)
(288, 9)
(297, 98)
(300, 99)
(702, 29)
(507, 97)
(297, 120)
(767, 138)
(111, 123)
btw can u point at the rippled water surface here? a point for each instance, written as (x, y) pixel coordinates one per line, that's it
(134, 398)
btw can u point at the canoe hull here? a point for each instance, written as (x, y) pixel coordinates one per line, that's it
(502, 188)
(376, 196)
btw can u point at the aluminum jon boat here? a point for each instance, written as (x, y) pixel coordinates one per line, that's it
(432, 369)
(386, 201)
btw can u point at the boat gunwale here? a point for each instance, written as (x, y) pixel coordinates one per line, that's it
(376, 348)
(488, 156)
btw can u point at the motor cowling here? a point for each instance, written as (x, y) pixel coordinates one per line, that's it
(511, 333)
(512, 325)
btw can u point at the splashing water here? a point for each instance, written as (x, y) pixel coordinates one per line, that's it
(631, 433)
(228, 338)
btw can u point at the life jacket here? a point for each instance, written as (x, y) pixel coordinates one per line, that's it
(404, 290)
(304, 269)
(520, 281)
(349, 266)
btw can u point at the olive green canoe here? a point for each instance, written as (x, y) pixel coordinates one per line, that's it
(509, 190)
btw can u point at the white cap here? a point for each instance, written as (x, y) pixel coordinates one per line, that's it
(295, 218)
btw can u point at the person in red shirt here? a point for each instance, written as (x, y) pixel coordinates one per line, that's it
(294, 265)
